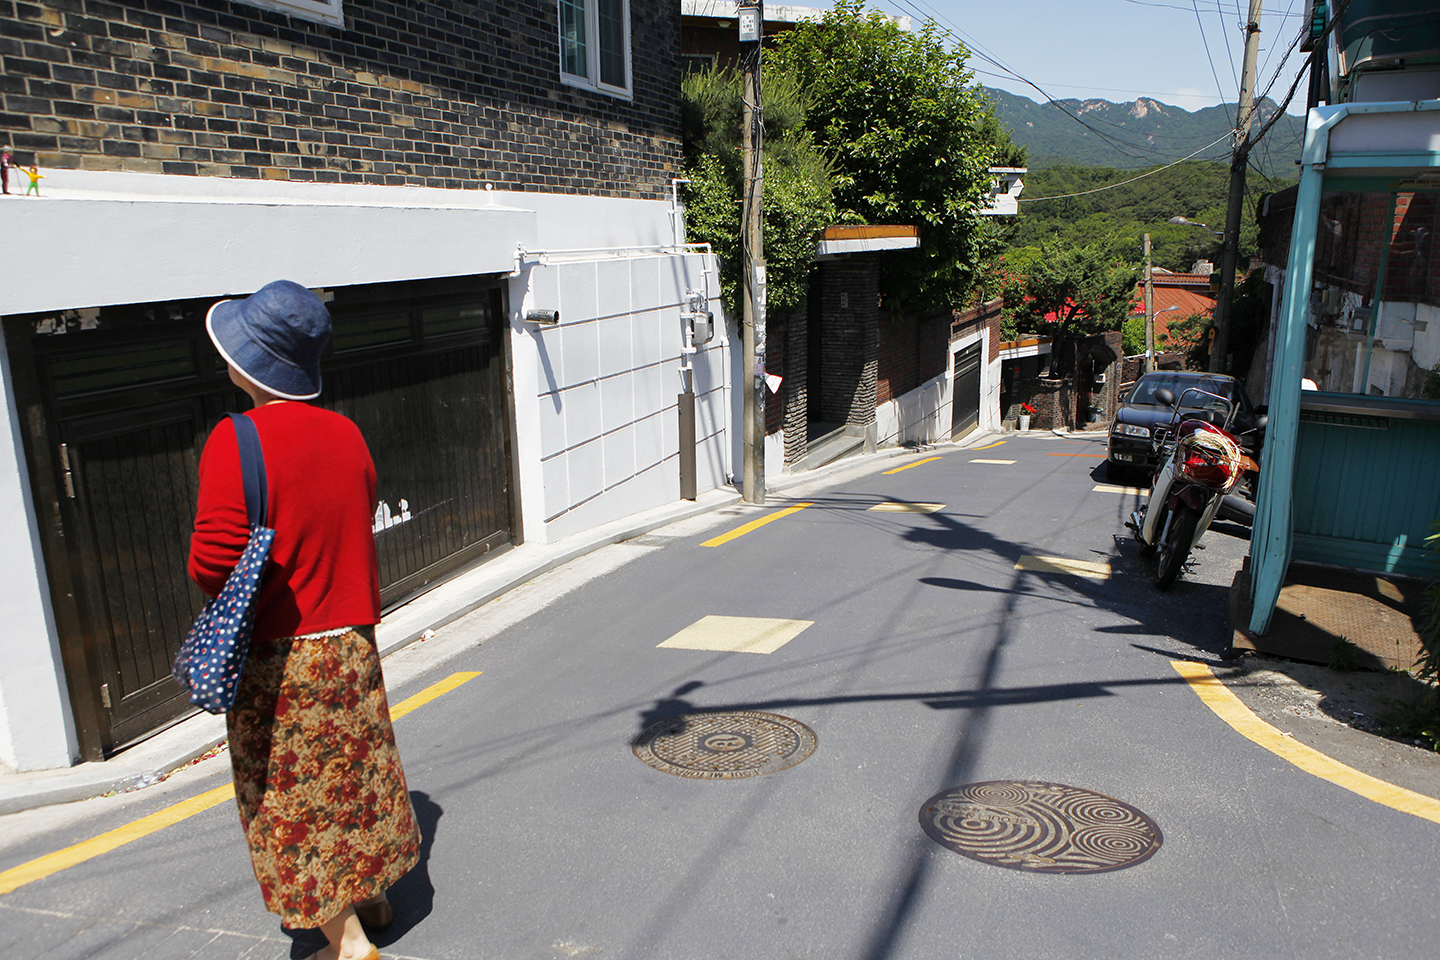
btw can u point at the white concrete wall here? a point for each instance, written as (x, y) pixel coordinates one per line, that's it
(924, 415)
(920, 416)
(603, 435)
(595, 397)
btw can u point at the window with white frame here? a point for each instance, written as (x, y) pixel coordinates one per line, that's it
(321, 11)
(595, 45)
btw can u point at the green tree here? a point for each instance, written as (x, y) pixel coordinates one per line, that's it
(1132, 337)
(911, 138)
(1070, 291)
(798, 182)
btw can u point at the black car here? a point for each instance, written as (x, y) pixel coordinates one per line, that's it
(1130, 451)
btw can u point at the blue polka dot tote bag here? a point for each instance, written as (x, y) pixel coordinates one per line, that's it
(213, 655)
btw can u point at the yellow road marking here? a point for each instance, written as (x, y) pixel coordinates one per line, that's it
(1229, 708)
(1077, 568)
(989, 446)
(892, 506)
(430, 693)
(737, 634)
(42, 867)
(1004, 462)
(909, 465)
(754, 525)
(1113, 488)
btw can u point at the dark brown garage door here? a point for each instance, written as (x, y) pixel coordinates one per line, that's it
(118, 402)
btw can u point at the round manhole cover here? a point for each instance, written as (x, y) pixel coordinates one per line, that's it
(1040, 827)
(725, 746)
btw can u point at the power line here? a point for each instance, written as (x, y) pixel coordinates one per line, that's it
(978, 49)
(1206, 41)
(1150, 173)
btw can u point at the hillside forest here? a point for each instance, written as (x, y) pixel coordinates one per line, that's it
(1115, 220)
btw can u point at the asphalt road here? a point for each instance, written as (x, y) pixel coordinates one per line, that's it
(929, 661)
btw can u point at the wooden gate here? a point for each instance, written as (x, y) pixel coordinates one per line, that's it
(118, 402)
(965, 397)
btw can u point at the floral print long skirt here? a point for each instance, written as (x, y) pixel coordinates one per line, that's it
(318, 780)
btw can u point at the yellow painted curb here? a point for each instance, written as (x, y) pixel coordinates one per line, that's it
(1228, 707)
(907, 466)
(42, 867)
(754, 525)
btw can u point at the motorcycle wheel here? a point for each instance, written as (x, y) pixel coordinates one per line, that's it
(1176, 547)
(1146, 549)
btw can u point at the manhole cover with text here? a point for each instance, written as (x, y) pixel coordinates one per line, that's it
(725, 746)
(1040, 827)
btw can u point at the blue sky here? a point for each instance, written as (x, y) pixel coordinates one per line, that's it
(1118, 50)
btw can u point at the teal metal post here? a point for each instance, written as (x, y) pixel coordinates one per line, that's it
(1271, 540)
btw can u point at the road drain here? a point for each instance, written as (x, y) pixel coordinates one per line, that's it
(1040, 827)
(725, 746)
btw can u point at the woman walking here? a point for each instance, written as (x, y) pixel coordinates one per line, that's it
(318, 780)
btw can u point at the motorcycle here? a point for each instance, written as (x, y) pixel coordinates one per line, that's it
(1201, 462)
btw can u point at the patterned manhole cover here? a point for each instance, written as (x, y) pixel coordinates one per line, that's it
(725, 746)
(1040, 827)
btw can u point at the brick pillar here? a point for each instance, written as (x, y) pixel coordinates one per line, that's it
(797, 374)
(850, 332)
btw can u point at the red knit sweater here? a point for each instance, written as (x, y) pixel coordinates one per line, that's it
(323, 572)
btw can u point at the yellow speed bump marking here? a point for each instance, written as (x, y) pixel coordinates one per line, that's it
(42, 867)
(907, 466)
(1002, 462)
(754, 525)
(1229, 708)
(1075, 568)
(895, 506)
(990, 446)
(737, 634)
(1115, 488)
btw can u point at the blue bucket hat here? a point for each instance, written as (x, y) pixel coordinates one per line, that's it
(274, 337)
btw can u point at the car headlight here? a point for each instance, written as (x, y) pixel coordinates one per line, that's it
(1130, 430)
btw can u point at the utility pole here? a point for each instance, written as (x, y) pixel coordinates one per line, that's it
(1219, 347)
(751, 17)
(1149, 313)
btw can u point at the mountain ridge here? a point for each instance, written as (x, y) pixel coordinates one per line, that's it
(1137, 134)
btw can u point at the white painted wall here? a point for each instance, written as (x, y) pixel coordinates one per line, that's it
(595, 396)
(604, 383)
(920, 416)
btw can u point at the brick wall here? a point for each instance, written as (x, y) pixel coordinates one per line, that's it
(849, 292)
(912, 351)
(986, 315)
(795, 388)
(442, 94)
(776, 341)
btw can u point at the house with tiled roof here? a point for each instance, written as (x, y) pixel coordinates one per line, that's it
(1174, 296)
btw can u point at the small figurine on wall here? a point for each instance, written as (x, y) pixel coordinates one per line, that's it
(7, 162)
(33, 172)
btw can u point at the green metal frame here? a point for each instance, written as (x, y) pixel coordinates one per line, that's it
(1272, 541)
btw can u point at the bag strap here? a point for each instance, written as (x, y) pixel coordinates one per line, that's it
(252, 469)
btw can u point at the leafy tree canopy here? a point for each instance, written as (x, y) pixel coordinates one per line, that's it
(798, 181)
(1068, 291)
(1120, 216)
(910, 138)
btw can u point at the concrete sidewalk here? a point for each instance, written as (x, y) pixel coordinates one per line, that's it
(152, 760)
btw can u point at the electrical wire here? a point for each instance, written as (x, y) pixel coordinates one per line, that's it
(1205, 40)
(1150, 173)
(978, 49)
